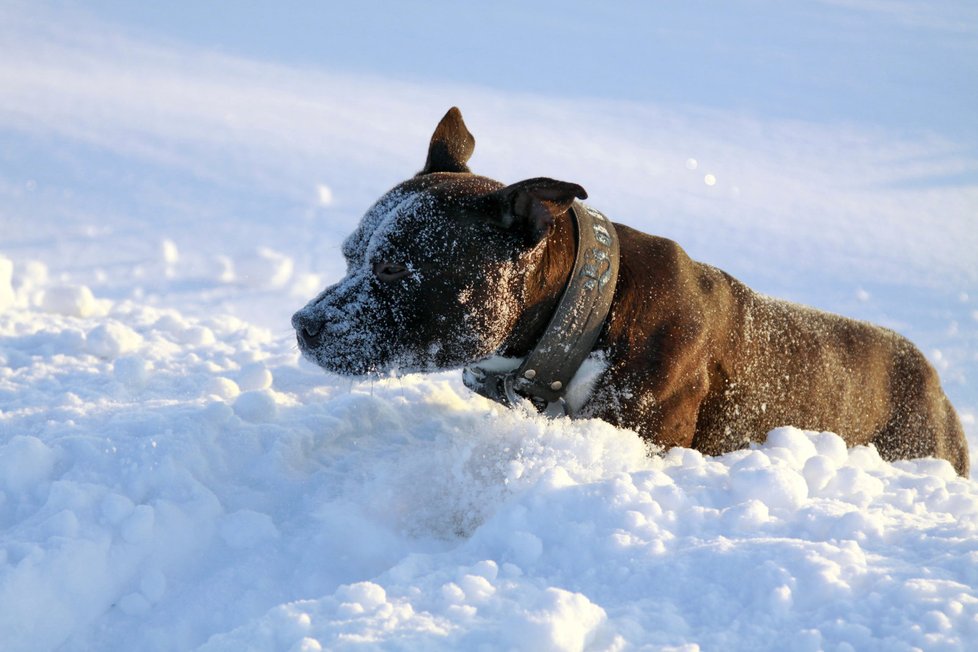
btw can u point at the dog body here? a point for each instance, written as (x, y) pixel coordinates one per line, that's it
(450, 268)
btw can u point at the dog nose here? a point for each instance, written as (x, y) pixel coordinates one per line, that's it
(307, 329)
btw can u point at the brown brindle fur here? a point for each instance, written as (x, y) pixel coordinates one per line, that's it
(700, 360)
(706, 362)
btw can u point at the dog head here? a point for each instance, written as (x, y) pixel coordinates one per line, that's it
(440, 269)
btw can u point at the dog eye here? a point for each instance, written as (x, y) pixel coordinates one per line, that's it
(389, 272)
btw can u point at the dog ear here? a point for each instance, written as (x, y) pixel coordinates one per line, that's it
(534, 204)
(451, 145)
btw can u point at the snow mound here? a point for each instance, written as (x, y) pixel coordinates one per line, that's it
(71, 300)
(110, 339)
(168, 482)
(728, 553)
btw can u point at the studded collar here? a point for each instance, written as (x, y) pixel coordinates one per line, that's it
(569, 338)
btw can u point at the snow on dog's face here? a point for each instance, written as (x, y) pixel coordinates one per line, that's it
(438, 269)
(430, 284)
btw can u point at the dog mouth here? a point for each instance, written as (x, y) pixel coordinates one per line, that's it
(351, 341)
(349, 366)
(352, 354)
(367, 357)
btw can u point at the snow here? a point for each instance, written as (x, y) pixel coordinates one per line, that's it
(174, 476)
(6, 289)
(181, 481)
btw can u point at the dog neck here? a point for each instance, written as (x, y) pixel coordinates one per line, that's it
(573, 324)
(545, 285)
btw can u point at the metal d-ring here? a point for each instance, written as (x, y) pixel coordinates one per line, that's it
(509, 389)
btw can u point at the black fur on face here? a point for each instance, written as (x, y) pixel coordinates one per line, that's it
(435, 280)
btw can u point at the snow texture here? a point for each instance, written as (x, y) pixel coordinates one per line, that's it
(173, 476)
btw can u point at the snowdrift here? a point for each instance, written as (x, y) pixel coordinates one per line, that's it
(168, 482)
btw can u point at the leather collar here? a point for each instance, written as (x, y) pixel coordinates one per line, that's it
(569, 338)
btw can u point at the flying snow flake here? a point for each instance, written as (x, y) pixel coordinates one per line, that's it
(170, 252)
(324, 194)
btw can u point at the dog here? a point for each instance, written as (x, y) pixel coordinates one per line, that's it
(454, 270)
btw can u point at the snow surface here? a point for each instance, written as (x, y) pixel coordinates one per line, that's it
(174, 477)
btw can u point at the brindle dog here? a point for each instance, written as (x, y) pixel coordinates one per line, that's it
(450, 268)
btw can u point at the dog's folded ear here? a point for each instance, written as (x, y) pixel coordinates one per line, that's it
(534, 204)
(451, 145)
